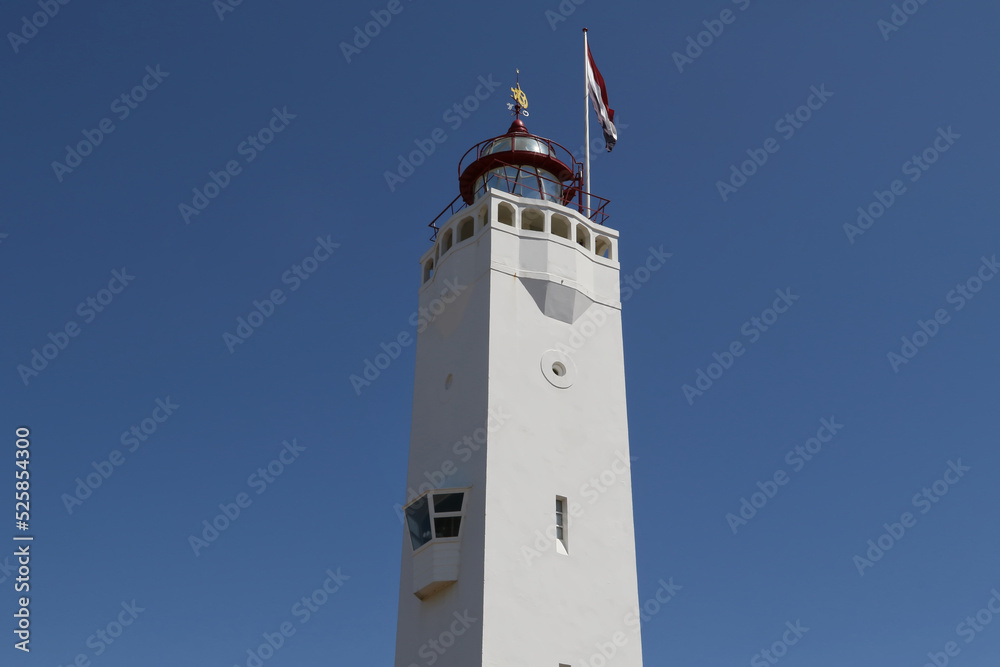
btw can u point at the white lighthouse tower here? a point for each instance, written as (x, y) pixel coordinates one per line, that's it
(519, 546)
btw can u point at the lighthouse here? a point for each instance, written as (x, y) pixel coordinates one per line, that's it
(519, 545)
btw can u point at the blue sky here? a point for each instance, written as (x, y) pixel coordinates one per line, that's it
(313, 194)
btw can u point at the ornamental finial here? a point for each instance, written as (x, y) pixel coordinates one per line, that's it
(520, 105)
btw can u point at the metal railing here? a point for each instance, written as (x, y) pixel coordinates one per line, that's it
(572, 191)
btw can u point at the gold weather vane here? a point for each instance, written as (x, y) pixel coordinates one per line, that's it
(520, 105)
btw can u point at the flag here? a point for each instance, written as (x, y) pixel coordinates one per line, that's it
(599, 98)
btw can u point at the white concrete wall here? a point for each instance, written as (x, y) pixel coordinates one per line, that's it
(533, 605)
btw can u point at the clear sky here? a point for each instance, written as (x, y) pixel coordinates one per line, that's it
(299, 131)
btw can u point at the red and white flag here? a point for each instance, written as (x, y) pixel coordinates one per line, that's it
(599, 98)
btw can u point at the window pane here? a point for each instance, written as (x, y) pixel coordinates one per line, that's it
(448, 502)
(559, 532)
(418, 520)
(446, 526)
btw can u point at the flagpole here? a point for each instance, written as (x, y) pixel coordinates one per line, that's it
(586, 121)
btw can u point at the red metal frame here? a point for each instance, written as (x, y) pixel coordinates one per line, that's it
(596, 212)
(559, 163)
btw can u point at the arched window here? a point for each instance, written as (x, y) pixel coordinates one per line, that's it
(465, 229)
(446, 242)
(505, 214)
(583, 236)
(533, 220)
(560, 226)
(602, 247)
(428, 269)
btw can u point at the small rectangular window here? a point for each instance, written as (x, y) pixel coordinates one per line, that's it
(561, 527)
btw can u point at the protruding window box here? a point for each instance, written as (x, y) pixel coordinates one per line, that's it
(434, 521)
(435, 567)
